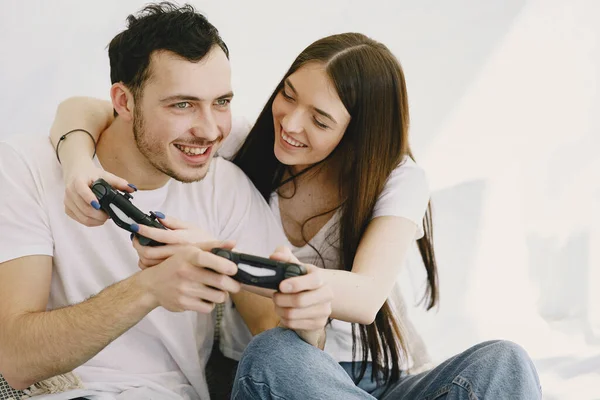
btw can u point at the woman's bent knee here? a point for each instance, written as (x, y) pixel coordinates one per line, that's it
(275, 349)
(510, 361)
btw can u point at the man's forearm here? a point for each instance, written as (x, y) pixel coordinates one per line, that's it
(45, 344)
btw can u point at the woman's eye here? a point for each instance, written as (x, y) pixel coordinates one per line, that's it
(320, 124)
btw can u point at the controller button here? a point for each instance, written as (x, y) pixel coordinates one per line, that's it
(291, 271)
(224, 254)
(128, 196)
(99, 190)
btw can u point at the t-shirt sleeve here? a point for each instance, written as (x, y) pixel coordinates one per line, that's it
(24, 224)
(244, 215)
(405, 194)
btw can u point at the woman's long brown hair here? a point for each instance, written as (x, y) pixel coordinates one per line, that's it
(370, 82)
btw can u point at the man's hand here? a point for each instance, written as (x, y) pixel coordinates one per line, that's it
(303, 303)
(178, 235)
(191, 279)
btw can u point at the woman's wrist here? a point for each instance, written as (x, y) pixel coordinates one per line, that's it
(73, 163)
(75, 150)
(75, 143)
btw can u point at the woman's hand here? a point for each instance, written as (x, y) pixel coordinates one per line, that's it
(303, 303)
(178, 235)
(80, 202)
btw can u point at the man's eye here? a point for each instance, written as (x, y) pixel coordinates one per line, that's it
(223, 102)
(182, 105)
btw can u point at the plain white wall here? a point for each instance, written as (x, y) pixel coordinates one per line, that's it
(505, 107)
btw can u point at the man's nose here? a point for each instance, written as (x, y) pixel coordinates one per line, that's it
(206, 127)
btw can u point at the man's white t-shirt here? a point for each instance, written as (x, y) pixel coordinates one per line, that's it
(405, 194)
(165, 354)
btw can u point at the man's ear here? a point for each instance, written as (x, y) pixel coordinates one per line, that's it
(122, 100)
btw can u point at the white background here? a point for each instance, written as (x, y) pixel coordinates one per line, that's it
(505, 109)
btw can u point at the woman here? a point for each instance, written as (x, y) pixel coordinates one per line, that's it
(330, 153)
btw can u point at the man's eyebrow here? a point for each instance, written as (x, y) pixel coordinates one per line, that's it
(179, 97)
(225, 96)
(187, 97)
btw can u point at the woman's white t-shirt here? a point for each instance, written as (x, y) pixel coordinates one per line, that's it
(405, 194)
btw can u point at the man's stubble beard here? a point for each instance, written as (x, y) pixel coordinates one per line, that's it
(156, 155)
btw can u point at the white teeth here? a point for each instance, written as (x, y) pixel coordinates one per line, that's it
(193, 151)
(291, 141)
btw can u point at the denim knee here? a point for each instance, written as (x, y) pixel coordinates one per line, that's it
(510, 353)
(511, 360)
(278, 364)
(273, 350)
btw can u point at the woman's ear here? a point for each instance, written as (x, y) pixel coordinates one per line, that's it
(122, 100)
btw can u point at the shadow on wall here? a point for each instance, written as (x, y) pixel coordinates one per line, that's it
(440, 72)
(561, 274)
(570, 367)
(563, 255)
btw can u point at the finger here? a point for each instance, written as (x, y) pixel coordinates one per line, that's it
(89, 208)
(313, 280)
(213, 262)
(302, 300)
(222, 244)
(147, 263)
(172, 222)
(157, 234)
(322, 310)
(144, 261)
(284, 253)
(207, 293)
(155, 252)
(283, 250)
(218, 281)
(142, 265)
(195, 304)
(210, 279)
(118, 182)
(113, 180)
(78, 215)
(86, 200)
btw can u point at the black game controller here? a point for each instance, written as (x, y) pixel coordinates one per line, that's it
(120, 209)
(258, 271)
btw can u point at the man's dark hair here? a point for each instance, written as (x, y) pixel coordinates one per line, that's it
(162, 26)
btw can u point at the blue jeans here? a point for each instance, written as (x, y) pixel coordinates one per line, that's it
(366, 383)
(277, 364)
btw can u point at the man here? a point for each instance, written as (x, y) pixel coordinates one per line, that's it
(73, 297)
